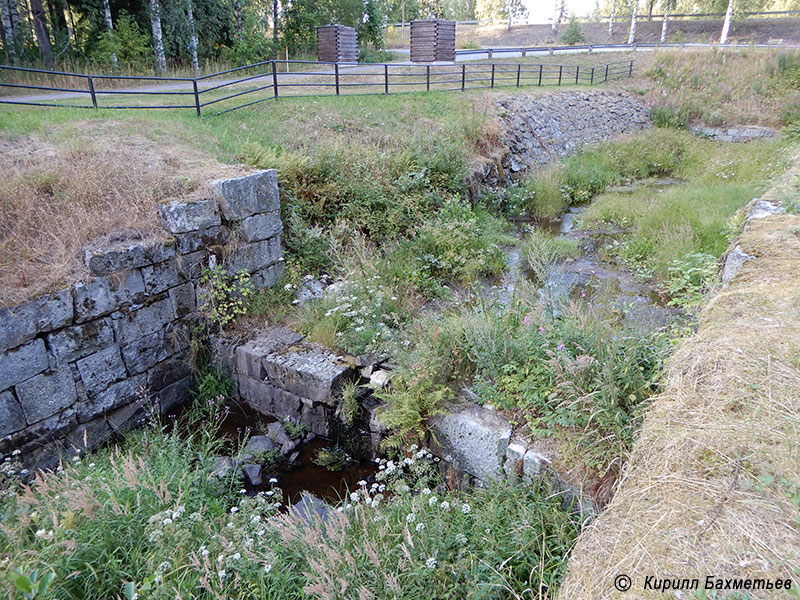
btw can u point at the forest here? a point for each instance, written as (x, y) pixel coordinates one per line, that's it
(142, 36)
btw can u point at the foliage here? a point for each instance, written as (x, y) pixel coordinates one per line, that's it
(665, 116)
(348, 404)
(370, 29)
(31, 585)
(412, 401)
(573, 34)
(128, 42)
(209, 396)
(225, 296)
(294, 430)
(690, 279)
(368, 55)
(333, 459)
(541, 249)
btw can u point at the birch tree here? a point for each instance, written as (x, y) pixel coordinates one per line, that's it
(611, 20)
(558, 16)
(632, 35)
(668, 5)
(110, 29)
(726, 26)
(158, 38)
(193, 43)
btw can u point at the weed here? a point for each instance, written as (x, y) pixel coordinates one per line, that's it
(295, 430)
(541, 249)
(333, 459)
(348, 405)
(225, 296)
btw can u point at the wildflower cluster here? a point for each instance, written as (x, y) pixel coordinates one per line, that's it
(415, 472)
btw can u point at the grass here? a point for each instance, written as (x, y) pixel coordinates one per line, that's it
(150, 516)
(712, 483)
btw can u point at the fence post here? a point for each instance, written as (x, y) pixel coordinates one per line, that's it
(519, 70)
(427, 78)
(591, 81)
(540, 74)
(606, 79)
(386, 79)
(560, 72)
(630, 72)
(463, 75)
(524, 52)
(196, 97)
(275, 79)
(490, 53)
(336, 71)
(492, 74)
(91, 91)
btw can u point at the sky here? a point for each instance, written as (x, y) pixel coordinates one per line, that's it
(541, 11)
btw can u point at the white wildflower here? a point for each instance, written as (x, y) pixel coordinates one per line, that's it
(410, 517)
(431, 563)
(465, 508)
(432, 501)
(420, 526)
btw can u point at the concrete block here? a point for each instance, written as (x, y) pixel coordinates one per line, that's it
(101, 369)
(12, 419)
(261, 226)
(21, 323)
(23, 362)
(103, 295)
(180, 217)
(241, 197)
(78, 341)
(146, 320)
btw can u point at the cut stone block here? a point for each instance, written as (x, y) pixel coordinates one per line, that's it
(101, 369)
(475, 438)
(533, 464)
(261, 227)
(267, 277)
(317, 418)
(115, 395)
(254, 257)
(241, 197)
(126, 255)
(191, 241)
(513, 465)
(250, 355)
(181, 217)
(162, 276)
(308, 370)
(21, 323)
(145, 352)
(148, 319)
(78, 341)
(44, 395)
(103, 295)
(12, 419)
(22, 363)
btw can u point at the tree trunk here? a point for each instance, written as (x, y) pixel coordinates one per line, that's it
(8, 31)
(665, 23)
(158, 38)
(632, 35)
(558, 15)
(726, 26)
(192, 36)
(611, 20)
(110, 29)
(275, 16)
(42, 35)
(239, 20)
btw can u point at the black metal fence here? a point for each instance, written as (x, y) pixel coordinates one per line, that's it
(251, 84)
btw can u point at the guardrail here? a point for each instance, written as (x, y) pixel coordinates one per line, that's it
(269, 80)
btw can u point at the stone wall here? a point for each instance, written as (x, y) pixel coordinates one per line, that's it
(72, 362)
(539, 129)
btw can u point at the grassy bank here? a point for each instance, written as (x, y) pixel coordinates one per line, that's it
(146, 520)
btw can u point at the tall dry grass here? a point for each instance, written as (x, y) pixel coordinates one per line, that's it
(62, 191)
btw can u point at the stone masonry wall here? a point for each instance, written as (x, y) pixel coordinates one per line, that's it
(543, 128)
(72, 362)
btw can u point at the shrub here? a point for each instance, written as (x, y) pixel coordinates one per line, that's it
(226, 295)
(665, 116)
(573, 34)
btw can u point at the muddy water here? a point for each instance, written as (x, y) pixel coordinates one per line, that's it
(302, 474)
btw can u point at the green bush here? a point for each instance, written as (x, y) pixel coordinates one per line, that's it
(665, 116)
(573, 34)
